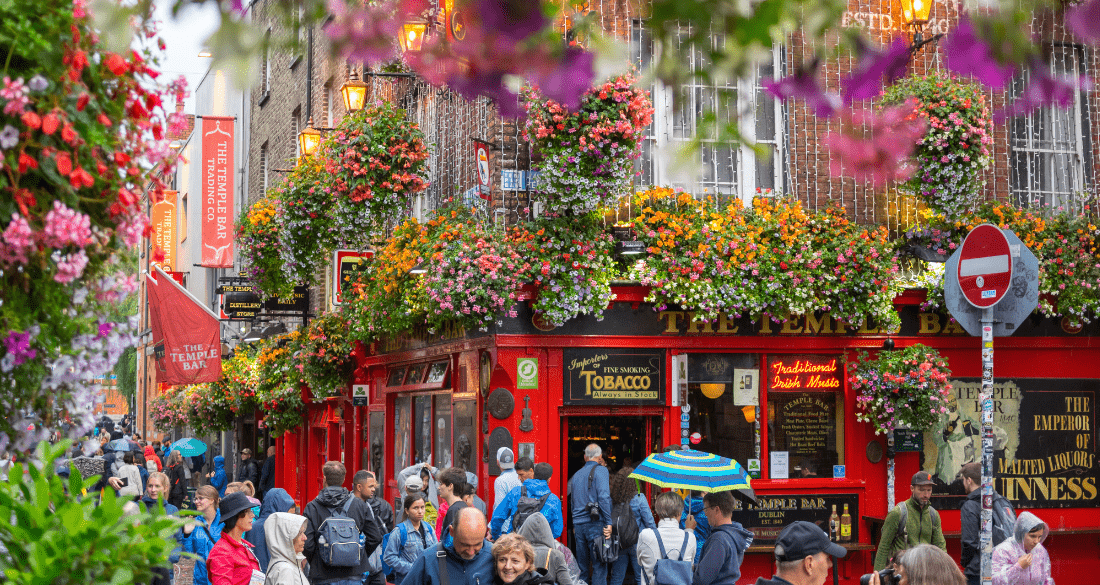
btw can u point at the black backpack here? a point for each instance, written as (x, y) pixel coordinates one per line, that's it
(624, 525)
(527, 507)
(1004, 519)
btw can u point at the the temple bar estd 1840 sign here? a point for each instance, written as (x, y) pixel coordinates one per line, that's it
(614, 376)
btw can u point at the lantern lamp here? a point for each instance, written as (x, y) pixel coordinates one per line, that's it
(309, 139)
(412, 35)
(915, 12)
(355, 92)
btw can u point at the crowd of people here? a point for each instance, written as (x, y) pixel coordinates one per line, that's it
(439, 532)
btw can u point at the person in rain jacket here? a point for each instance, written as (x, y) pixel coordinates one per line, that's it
(720, 563)
(537, 531)
(694, 507)
(276, 500)
(284, 538)
(536, 488)
(218, 479)
(419, 536)
(1022, 559)
(200, 537)
(468, 558)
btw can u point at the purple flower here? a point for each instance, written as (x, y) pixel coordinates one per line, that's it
(803, 85)
(1082, 21)
(865, 82)
(18, 345)
(968, 53)
(38, 83)
(1044, 88)
(9, 137)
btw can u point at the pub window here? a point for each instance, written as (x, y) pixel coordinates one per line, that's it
(422, 429)
(443, 456)
(722, 401)
(402, 423)
(805, 416)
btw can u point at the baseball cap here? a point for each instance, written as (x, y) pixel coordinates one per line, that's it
(414, 482)
(802, 539)
(246, 451)
(506, 458)
(471, 479)
(922, 478)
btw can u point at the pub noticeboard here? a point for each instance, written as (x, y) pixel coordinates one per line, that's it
(804, 407)
(614, 376)
(772, 512)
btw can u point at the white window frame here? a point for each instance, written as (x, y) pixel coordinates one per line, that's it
(1030, 137)
(663, 137)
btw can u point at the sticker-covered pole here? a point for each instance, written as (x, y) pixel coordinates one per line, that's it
(986, 398)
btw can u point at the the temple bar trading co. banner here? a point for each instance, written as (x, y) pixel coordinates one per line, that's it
(217, 192)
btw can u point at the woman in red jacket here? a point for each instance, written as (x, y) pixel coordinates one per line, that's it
(231, 561)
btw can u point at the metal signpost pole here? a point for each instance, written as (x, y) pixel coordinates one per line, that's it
(986, 398)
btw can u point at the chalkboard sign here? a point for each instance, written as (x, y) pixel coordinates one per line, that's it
(773, 512)
(804, 424)
(906, 441)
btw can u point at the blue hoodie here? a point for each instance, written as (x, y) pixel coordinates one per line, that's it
(200, 541)
(276, 500)
(536, 488)
(220, 481)
(476, 571)
(722, 556)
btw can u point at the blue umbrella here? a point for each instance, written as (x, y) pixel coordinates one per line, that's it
(188, 447)
(123, 445)
(695, 470)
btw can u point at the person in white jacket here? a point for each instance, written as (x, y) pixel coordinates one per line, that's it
(285, 535)
(129, 472)
(668, 506)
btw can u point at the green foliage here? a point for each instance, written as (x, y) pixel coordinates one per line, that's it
(61, 535)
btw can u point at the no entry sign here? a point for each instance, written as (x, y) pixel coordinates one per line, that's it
(985, 266)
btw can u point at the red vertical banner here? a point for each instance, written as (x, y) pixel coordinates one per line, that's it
(217, 192)
(163, 216)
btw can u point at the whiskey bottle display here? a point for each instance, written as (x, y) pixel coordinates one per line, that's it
(845, 525)
(834, 525)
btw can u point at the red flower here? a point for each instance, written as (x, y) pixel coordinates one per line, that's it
(68, 134)
(81, 178)
(26, 162)
(32, 120)
(116, 64)
(82, 102)
(50, 123)
(64, 164)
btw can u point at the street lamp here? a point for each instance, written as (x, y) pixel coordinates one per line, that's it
(309, 139)
(915, 14)
(354, 92)
(412, 35)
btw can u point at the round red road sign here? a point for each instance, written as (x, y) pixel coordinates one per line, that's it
(985, 266)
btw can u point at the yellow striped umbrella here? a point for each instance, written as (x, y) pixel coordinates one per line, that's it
(695, 470)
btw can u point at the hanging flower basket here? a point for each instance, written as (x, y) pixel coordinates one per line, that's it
(905, 388)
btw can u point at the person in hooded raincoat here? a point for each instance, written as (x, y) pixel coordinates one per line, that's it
(218, 479)
(284, 538)
(1022, 559)
(276, 500)
(536, 529)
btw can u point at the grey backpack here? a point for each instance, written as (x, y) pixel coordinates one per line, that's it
(671, 571)
(338, 538)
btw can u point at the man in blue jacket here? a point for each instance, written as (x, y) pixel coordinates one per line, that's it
(720, 563)
(537, 487)
(468, 558)
(591, 485)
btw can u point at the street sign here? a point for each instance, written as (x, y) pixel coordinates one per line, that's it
(1017, 304)
(344, 264)
(984, 271)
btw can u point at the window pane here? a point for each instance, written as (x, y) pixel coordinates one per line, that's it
(403, 432)
(718, 404)
(422, 429)
(443, 431)
(806, 413)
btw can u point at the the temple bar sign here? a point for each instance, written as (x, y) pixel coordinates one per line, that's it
(614, 376)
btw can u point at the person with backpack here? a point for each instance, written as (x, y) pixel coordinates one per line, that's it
(804, 555)
(667, 545)
(630, 514)
(591, 512)
(911, 522)
(339, 531)
(970, 519)
(547, 556)
(720, 563)
(531, 497)
(409, 540)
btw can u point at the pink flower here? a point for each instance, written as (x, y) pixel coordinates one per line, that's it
(69, 266)
(17, 241)
(65, 226)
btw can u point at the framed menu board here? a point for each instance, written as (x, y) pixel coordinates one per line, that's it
(806, 413)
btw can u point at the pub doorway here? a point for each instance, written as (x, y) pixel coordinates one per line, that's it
(625, 440)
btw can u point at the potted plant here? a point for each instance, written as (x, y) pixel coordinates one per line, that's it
(904, 388)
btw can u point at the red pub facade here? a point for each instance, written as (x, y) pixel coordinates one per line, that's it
(773, 396)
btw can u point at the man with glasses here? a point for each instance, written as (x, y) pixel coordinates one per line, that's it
(248, 471)
(720, 563)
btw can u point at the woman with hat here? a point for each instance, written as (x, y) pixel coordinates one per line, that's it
(231, 560)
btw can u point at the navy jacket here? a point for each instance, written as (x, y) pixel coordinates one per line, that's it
(720, 563)
(476, 571)
(601, 492)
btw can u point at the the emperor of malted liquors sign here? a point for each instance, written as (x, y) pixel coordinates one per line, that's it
(614, 376)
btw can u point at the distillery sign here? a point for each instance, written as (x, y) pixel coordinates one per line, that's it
(614, 376)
